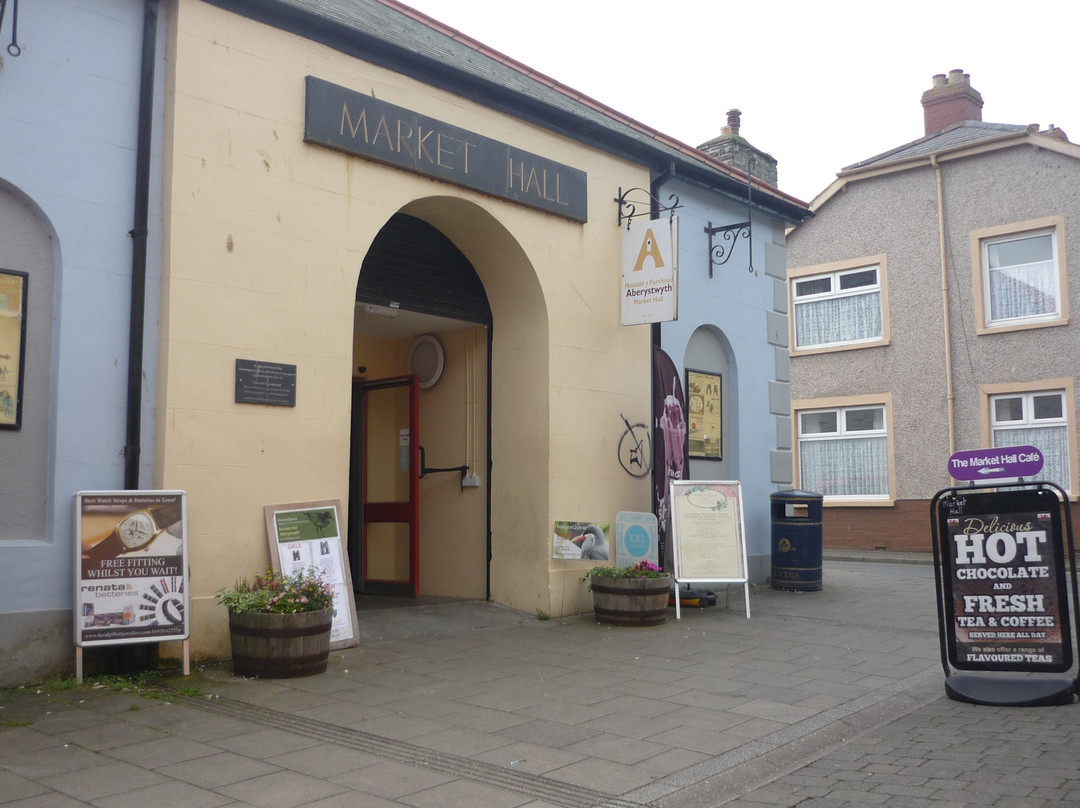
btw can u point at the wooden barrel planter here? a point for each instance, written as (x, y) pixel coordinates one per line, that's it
(630, 601)
(279, 646)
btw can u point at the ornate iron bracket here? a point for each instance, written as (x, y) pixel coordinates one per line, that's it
(720, 252)
(628, 208)
(14, 48)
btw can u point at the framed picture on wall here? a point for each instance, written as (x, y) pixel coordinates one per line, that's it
(704, 414)
(12, 346)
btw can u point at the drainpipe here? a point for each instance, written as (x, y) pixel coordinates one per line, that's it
(950, 396)
(133, 448)
(654, 208)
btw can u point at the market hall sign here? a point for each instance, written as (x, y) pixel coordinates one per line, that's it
(358, 124)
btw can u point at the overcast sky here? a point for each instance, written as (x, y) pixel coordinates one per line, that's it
(820, 85)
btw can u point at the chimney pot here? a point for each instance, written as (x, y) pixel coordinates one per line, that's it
(939, 80)
(734, 117)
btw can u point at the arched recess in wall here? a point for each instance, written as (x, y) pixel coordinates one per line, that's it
(27, 245)
(710, 351)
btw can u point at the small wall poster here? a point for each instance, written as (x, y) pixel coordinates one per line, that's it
(636, 538)
(705, 416)
(12, 346)
(307, 535)
(582, 540)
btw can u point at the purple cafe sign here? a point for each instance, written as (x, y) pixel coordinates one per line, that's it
(988, 464)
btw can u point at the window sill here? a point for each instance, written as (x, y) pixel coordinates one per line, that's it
(855, 346)
(858, 503)
(1005, 328)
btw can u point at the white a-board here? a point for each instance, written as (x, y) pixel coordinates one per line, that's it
(707, 536)
(307, 535)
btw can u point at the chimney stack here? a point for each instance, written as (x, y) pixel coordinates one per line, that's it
(738, 152)
(951, 100)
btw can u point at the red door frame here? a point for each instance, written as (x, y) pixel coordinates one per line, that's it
(406, 511)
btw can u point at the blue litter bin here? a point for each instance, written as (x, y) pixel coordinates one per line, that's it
(796, 541)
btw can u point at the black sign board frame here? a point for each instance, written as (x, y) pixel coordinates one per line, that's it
(1002, 593)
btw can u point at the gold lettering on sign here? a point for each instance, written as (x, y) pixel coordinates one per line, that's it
(516, 174)
(360, 122)
(404, 137)
(441, 150)
(534, 181)
(383, 130)
(422, 152)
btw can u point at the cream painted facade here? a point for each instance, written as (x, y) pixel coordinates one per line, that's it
(264, 236)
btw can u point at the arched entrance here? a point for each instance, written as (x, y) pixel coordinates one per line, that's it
(419, 472)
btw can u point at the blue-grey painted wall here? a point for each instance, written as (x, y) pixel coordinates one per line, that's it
(735, 323)
(68, 125)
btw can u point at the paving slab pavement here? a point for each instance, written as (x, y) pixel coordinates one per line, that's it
(822, 698)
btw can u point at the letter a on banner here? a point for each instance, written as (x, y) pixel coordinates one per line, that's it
(650, 274)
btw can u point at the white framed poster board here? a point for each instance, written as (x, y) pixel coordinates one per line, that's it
(131, 573)
(707, 536)
(305, 535)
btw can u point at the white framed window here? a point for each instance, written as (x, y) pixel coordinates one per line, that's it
(1019, 277)
(1036, 418)
(844, 452)
(840, 305)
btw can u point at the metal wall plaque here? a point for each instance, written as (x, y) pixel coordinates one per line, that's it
(265, 383)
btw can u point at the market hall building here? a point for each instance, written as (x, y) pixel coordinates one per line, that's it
(353, 194)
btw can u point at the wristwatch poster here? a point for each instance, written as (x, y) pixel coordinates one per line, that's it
(131, 576)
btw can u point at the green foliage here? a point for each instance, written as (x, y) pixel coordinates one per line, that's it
(642, 569)
(278, 593)
(55, 683)
(542, 615)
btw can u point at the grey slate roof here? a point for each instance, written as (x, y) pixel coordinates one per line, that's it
(967, 133)
(388, 33)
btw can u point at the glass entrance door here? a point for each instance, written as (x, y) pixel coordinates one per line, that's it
(384, 496)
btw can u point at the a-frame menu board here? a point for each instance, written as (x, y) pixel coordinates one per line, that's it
(708, 540)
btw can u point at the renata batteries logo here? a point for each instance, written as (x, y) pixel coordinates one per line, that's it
(99, 589)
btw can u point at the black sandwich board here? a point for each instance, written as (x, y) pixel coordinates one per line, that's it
(1002, 595)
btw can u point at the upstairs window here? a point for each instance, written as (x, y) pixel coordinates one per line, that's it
(838, 309)
(1019, 277)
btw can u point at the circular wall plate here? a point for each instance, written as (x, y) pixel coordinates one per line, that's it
(426, 360)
